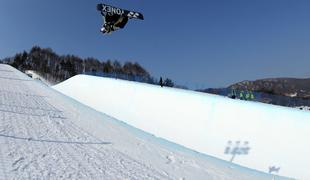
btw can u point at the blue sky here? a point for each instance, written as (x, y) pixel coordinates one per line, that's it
(202, 43)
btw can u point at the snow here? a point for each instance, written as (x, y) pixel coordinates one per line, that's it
(46, 135)
(268, 137)
(37, 77)
(304, 108)
(292, 94)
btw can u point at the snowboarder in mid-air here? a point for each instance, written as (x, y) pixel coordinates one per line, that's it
(115, 18)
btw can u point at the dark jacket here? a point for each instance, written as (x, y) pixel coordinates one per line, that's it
(116, 20)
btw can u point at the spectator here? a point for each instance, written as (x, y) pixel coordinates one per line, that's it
(161, 82)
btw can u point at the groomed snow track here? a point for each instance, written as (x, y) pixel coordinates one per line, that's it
(45, 135)
(264, 137)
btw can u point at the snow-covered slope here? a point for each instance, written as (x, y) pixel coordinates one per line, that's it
(305, 108)
(46, 135)
(34, 75)
(268, 137)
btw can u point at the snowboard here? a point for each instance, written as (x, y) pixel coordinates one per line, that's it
(104, 8)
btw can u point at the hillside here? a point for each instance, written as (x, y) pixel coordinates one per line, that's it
(290, 92)
(57, 68)
(291, 87)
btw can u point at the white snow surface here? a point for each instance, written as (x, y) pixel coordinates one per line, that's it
(274, 136)
(305, 108)
(46, 135)
(37, 77)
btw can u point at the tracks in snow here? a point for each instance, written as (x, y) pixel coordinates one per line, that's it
(39, 142)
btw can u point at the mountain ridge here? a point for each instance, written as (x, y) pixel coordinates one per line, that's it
(285, 86)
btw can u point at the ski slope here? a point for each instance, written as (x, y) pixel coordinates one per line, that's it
(270, 137)
(34, 75)
(46, 135)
